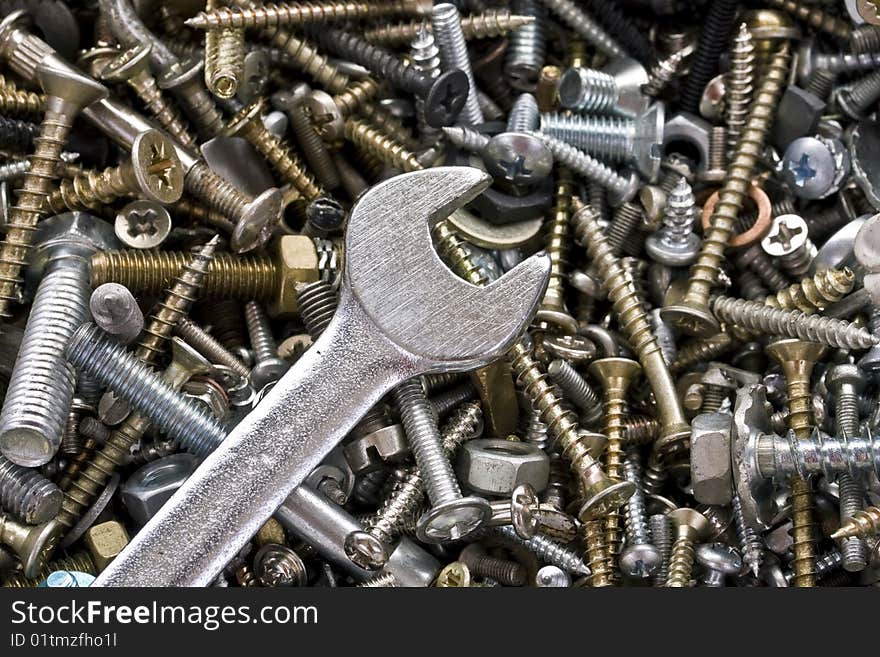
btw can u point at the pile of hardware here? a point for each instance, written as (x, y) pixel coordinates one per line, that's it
(402, 294)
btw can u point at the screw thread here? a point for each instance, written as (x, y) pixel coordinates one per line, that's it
(557, 239)
(224, 61)
(162, 109)
(681, 563)
(852, 454)
(598, 558)
(19, 102)
(17, 136)
(679, 216)
(176, 304)
(756, 317)
(705, 271)
(739, 83)
(852, 496)
(504, 571)
(750, 545)
(486, 25)
(816, 292)
(227, 276)
(215, 192)
(317, 304)
(98, 356)
(446, 26)
(664, 71)
(27, 494)
(863, 524)
(576, 388)
(425, 57)
(71, 441)
(385, 148)
(607, 137)
(622, 28)
(452, 249)
(803, 533)
(714, 39)
(640, 430)
(548, 551)
(655, 475)
(587, 28)
(209, 346)
(638, 532)
(260, 332)
(524, 114)
(92, 189)
(702, 350)
(380, 581)
(598, 92)
(864, 38)
(585, 165)
(624, 223)
(526, 46)
(757, 260)
(284, 15)
(304, 57)
(661, 533)
(313, 148)
(81, 562)
(466, 139)
(815, 17)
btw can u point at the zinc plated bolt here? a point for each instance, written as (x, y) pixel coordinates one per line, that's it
(584, 26)
(662, 536)
(454, 56)
(691, 527)
(27, 494)
(718, 561)
(615, 90)
(635, 141)
(692, 314)
(675, 244)
(116, 311)
(268, 367)
(640, 557)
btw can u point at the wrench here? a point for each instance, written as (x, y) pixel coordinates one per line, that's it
(402, 313)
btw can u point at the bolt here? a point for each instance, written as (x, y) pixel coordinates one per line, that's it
(662, 534)
(640, 558)
(526, 47)
(584, 26)
(691, 527)
(446, 27)
(637, 141)
(26, 494)
(116, 311)
(577, 390)
(692, 314)
(268, 367)
(601, 92)
(718, 561)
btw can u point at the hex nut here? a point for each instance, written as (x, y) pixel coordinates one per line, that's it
(711, 469)
(372, 451)
(297, 260)
(495, 467)
(105, 541)
(799, 113)
(149, 488)
(691, 130)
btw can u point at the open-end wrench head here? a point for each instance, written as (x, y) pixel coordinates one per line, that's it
(474, 325)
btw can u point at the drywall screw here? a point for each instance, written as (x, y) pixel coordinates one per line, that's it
(750, 544)
(815, 293)
(620, 189)
(268, 367)
(448, 35)
(42, 383)
(797, 359)
(153, 171)
(825, 565)
(577, 390)
(584, 26)
(485, 25)
(640, 557)
(28, 542)
(662, 535)
(224, 61)
(739, 84)
(67, 93)
(116, 311)
(788, 241)
(863, 524)
(616, 376)
(27, 494)
(247, 124)
(601, 493)
(759, 318)
(81, 562)
(505, 572)
(691, 527)
(444, 96)
(846, 383)
(637, 141)
(815, 17)
(526, 47)
(386, 149)
(132, 66)
(207, 345)
(313, 148)
(634, 321)
(288, 15)
(548, 550)
(675, 244)
(692, 314)
(621, 28)
(718, 561)
(191, 424)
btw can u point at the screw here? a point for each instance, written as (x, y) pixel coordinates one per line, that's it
(601, 92)
(662, 534)
(268, 366)
(815, 17)
(517, 158)
(505, 572)
(317, 305)
(675, 244)
(692, 314)
(549, 551)
(863, 524)
(526, 47)
(640, 557)
(750, 544)
(116, 311)
(810, 60)
(26, 494)
(664, 70)
(19, 102)
(718, 561)
(576, 389)
(207, 345)
(386, 149)
(601, 566)
(815, 293)
(485, 25)
(132, 66)
(247, 124)
(714, 36)
(552, 576)
(815, 167)
(739, 84)
(691, 527)
(287, 15)
(30, 543)
(584, 26)
(446, 27)
(224, 61)
(634, 321)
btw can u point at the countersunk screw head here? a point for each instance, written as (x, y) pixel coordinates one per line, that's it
(157, 167)
(142, 224)
(787, 234)
(127, 64)
(254, 227)
(694, 521)
(446, 98)
(520, 160)
(720, 558)
(365, 550)
(692, 320)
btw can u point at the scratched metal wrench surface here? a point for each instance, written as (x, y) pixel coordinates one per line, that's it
(402, 313)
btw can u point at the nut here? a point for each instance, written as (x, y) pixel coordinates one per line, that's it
(105, 541)
(297, 260)
(711, 471)
(372, 451)
(496, 467)
(150, 487)
(693, 132)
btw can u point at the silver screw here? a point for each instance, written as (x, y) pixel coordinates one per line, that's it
(640, 557)
(663, 535)
(516, 157)
(718, 561)
(268, 367)
(585, 27)
(615, 90)
(526, 47)
(552, 577)
(209, 346)
(446, 27)
(675, 244)
(577, 390)
(549, 551)
(750, 544)
(789, 241)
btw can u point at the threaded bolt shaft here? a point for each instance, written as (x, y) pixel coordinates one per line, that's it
(504, 571)
(526, 47)
(446, 26)
(576, 388)
(313, 148)
(209, 346)
(27, 494)
(609, 138)
(486, 25)
(662, 534)
(317, 305)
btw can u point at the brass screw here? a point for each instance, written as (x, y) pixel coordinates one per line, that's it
(691, 527)
(601, 493)
(553, 312)
(19, 102)
(616, 375)
(455, 575)
(815, 17)
(247, 124)
(289, 15)
(153, 171)
(863, 524)
(816, 292)
(81, 562)
(451, 248)
(598, 558)
(692, 315)
(224, 61)
(491, 23)
(797, 359)
(31, 543)
(371, 140)
(701, 350)
(132, 67)
(634, 321)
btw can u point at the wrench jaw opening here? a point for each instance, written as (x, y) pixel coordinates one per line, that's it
(452, 521)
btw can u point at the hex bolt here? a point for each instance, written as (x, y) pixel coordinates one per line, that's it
(132, 67)
(116, 311)
(451, 516)
(620, 188)
(67, 93)
(718, 561)
(526, 49)
(584, 26)
(663, 538)
(863, 524)
(616, 376)
(42, 383)
(27, 494)
(153, 172)
(504, 571)
(370, 548)
(634, 320)
(797, 359)
(640, 557)
(247, 124)
(634, 141)
(691, 527)
(268, 367)
(816, 292)
(750, 544)
(577, 390)
(757, 317)
(675, 244)
(692, 314)
(485, 25)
